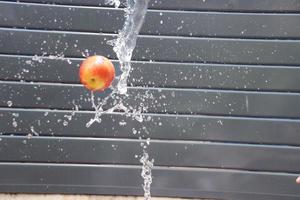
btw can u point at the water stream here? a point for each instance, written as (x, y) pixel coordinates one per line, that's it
(123, 46)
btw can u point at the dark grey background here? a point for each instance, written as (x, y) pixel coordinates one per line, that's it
(222, 79)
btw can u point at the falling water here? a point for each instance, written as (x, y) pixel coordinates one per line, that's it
(147, 174)
(126, 41)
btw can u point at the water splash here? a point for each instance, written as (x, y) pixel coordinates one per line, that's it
(123, 46)
(113, 2)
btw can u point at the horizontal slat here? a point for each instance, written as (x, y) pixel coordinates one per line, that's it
(166, 153)
(218, 76)
(170, 127)
(214, 102)
(61, 17)
(153, 48)
(219, 5)
(157, 22)
(93, 179)
(155, 74)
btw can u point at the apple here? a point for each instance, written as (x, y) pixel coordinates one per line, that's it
(96, 73)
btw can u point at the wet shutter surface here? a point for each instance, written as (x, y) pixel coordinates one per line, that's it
(223, 75)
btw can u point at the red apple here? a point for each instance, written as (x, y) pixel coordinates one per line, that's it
(96, 73)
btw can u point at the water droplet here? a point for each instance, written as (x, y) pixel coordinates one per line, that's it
(9, 103)
(29, 62)
(113, 2)
(173, 94)
(37, 58)
(134, 131)
(33, 131)
(69, 61)
(220, 122)
(122, 123)
(138, 118)
(15, 114)
(114, 146)
(15, 124)
(65, 123)
(85, 53)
